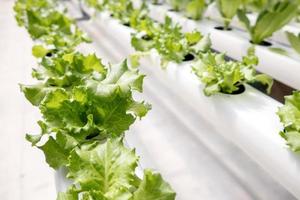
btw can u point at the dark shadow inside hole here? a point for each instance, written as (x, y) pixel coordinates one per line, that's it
(263, 43)
(173, 10)
(146, 37)
(222, 28)
(91, 136)
(49, 54)
(241, 89)
(259, 86)
(157, 3)
(126, 24)
(188, 57)
(195, 19)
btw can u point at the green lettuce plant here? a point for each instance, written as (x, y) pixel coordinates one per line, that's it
(294, 41)
(221, 76)
(107, 171)
(177, 5)
(256, 5)
(195, 9)
(169, 41)
(289, 115)
(269, 20)
(85, 109)
(47, 23)
(228, 9)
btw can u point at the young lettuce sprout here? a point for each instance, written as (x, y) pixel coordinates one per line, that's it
(156, 2)
(256, 5)
(177, 5)
(221, 76)
(169, 41)
(289, 115)
(269, 20)
(195, 9)
(228, 9)
(294, 41)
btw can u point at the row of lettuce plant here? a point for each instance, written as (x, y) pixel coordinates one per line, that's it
(274, 15)
(86, 108)
(289, 115)
(274, 18)
(217, 73)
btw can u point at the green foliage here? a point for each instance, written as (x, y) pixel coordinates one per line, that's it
(107, 171)
(91, 106)
(219, 75)
(256, 5)
(228, 9)
(177, 4)
(45, 21)
(195, 9)
(294, 41)
(269, 20)
(169, 41)
(289, 115)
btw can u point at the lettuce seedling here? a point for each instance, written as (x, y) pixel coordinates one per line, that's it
(169, 41)
(256, 5)
(289, 115)
(294, 41)
(269, 20)
(48, 24)
(177, 5)
(228, 9)
(195, 9)
(219, 75)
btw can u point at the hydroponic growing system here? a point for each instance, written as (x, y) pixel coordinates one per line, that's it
(222, 55)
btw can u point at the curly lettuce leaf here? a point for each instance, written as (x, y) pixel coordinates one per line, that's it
(47, 22)
(219, 75)
(153, 187)
(228, 9)
(107, 171)
(92, 110)
(195, 9)
(289, 115)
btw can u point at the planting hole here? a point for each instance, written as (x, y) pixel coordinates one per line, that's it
(188, 57)
(241, 89)
(157, 3)
(146, 37)
(173, 10)
(126, 24)
(263, 43)
(49, 54)
(91, 136)
(222, 28)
